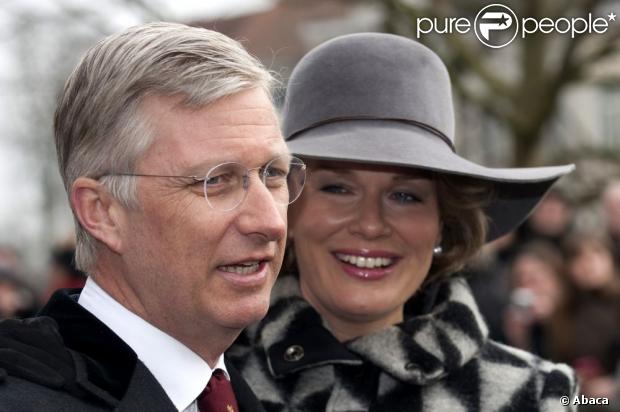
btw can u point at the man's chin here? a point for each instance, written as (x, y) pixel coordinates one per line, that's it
(247, 314)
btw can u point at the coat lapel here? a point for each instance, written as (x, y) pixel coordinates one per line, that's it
(246, 399)
(145, 393)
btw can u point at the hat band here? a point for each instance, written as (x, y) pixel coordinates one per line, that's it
(421, 125)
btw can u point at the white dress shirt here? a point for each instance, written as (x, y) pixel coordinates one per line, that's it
(180, 371)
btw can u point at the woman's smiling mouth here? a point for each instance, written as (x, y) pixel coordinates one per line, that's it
(366, 265)
(364, 261)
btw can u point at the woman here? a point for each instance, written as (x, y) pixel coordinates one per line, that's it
(370, 317)
(538, 291)
(591, 315)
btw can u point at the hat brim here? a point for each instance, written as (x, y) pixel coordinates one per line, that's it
(517, 190)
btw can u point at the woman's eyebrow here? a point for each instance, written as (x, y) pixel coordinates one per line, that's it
(334, 169)
(416, 176)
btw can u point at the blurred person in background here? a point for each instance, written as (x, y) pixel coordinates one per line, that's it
(62, 272)
(611, 212)
(179, 179)
(487, 275)
(372, 314)
(17, 299)
(551, 221)
(591, 313)
(10, 258)
(537, 292)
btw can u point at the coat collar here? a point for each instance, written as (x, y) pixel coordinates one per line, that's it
(108, 369)
(105, 366)
(108, 366)
(448, 333)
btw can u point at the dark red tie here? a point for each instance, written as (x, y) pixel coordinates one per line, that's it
(218, 396)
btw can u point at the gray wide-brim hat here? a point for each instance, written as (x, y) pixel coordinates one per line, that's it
(385, 99)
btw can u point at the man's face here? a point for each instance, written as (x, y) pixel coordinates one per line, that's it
(182, 259)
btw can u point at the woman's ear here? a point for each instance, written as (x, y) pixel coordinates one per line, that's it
(440, 237)
(97, 211)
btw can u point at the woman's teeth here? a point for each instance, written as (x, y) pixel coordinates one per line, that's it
(365, 262)
(242, 269)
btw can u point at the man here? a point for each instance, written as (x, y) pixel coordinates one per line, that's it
(179, 180)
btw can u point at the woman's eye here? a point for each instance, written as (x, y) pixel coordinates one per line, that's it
(335, 189)
(404, 198)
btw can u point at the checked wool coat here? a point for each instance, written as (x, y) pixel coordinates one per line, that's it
(438, 360)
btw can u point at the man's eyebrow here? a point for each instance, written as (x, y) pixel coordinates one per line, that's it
(199, 169)
(202, 168)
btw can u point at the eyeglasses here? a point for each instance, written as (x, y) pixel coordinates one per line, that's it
(226, 185)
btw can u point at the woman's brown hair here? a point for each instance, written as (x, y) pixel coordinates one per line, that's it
(461, 206)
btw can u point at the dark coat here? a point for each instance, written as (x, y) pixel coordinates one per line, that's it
(65, 359)
(438, 360)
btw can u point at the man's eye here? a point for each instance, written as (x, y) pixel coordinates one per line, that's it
(198, 182)
(275, 173)
(221, 179)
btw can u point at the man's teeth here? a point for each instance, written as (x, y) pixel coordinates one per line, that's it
(365, 262)
(242, 269)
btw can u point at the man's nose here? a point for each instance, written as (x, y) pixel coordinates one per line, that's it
(261, 215)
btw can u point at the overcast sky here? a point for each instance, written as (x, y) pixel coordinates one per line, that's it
(20, 198)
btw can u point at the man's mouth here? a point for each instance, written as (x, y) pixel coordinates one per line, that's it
(242, 268)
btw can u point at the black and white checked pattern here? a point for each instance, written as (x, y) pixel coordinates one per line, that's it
(438, 361)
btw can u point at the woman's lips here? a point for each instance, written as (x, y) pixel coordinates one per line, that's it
(366, 264)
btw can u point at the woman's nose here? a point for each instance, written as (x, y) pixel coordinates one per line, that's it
(370, 220)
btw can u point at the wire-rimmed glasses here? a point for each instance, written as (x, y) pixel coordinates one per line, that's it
(226, 185)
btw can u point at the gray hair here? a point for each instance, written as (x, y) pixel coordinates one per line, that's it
(98, 125)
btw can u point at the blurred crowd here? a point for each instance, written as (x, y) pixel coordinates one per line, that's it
(20, 299)
(554, 289)
(549, 288)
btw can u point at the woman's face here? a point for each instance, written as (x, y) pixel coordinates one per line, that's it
(540, 278)
(592, 267)
(363, 238)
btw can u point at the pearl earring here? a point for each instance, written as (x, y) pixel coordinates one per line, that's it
(437, 250)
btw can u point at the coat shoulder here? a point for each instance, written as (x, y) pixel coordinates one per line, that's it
(38, 372)
(22, 395)
(526, 379)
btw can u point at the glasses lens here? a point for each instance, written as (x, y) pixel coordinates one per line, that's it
(285, 176)
(224, 186)
(296, 178)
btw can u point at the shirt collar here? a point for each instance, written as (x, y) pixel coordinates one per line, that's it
(181, 372)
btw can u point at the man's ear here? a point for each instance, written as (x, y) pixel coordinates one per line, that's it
(98, 212)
